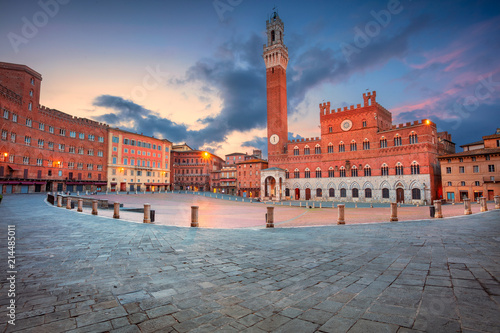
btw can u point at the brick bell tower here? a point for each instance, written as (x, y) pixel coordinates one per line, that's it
(276, 59)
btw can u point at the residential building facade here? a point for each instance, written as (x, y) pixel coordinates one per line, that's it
(191, 169)
(44, 149)
(359, 156)
(248, 177)
(473, 173)
(228, 179)
(137, 162)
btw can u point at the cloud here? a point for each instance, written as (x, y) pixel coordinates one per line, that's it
(236, 73)
(257, 143)
(134, 117)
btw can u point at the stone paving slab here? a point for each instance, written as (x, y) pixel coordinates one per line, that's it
(84, 273)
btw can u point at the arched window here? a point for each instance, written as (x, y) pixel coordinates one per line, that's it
(307, 173)
(385, 193)
(415, 194)
(319, 193)
(330, 129)
(296, 151)
(384, 170)
(397, 140)
(331, 193)
(354, 171)
(331, 172)
(273, 36)
(287, 174)
(330, 148)
(343, 193)
(306, 150)
(318, 173)
(317, 149)
(413, 138)
(342, 171)
(368, 192)
(341, 147)
(296, 173)
(354, 147)
(399, 169)
(366, 144)
(415, 168)
(368, 171)
(383, 142)
(355, 193)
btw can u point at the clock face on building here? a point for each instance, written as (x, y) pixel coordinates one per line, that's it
(346, 125)
(274, 139)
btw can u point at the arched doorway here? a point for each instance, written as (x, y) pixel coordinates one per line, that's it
(308, 193)
(270, 187)
(400, 195)
(297, 194)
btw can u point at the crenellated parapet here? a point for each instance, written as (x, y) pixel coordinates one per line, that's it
(56, 114)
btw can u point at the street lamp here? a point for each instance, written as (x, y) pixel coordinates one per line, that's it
(5, 155)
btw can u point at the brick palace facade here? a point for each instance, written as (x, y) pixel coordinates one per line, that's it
(43, 149)
(360, 154)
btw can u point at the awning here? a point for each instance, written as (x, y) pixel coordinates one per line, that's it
(40, 183)
(13, 168)
(112, 183)
(27, 183)
(100, 183)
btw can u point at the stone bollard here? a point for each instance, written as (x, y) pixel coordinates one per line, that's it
(355, 205)
(467, 207)
(394, 212)
(270, 217)
(86, 192)
(341, 219)
(147, 210)
(484, 205)
(80, 205)
(371, 205)
(59, 201)
(116, 213)
(497, 201)
(439, 212)
(117, 192)
(68, 203)
(144, 192)
(78, 193)
(135, 191)
(194, 216)
(94, 207)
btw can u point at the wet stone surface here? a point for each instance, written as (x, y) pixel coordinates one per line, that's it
(83, 273)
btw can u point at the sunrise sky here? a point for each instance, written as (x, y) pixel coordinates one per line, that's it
(192, 71)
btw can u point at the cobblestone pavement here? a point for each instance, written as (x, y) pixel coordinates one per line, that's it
(82, 273)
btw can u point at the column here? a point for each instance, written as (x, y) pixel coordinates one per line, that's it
(439, 212)
(59, 201)
(194, 216)
(94, 207)
(270, 217)
(147, 209)
(341, 214)
(116, 213)
(484, 205)
(68, 203)
(467, 206)
(394, 212)
(80, 205)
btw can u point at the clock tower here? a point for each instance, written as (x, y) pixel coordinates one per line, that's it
(276, 59)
